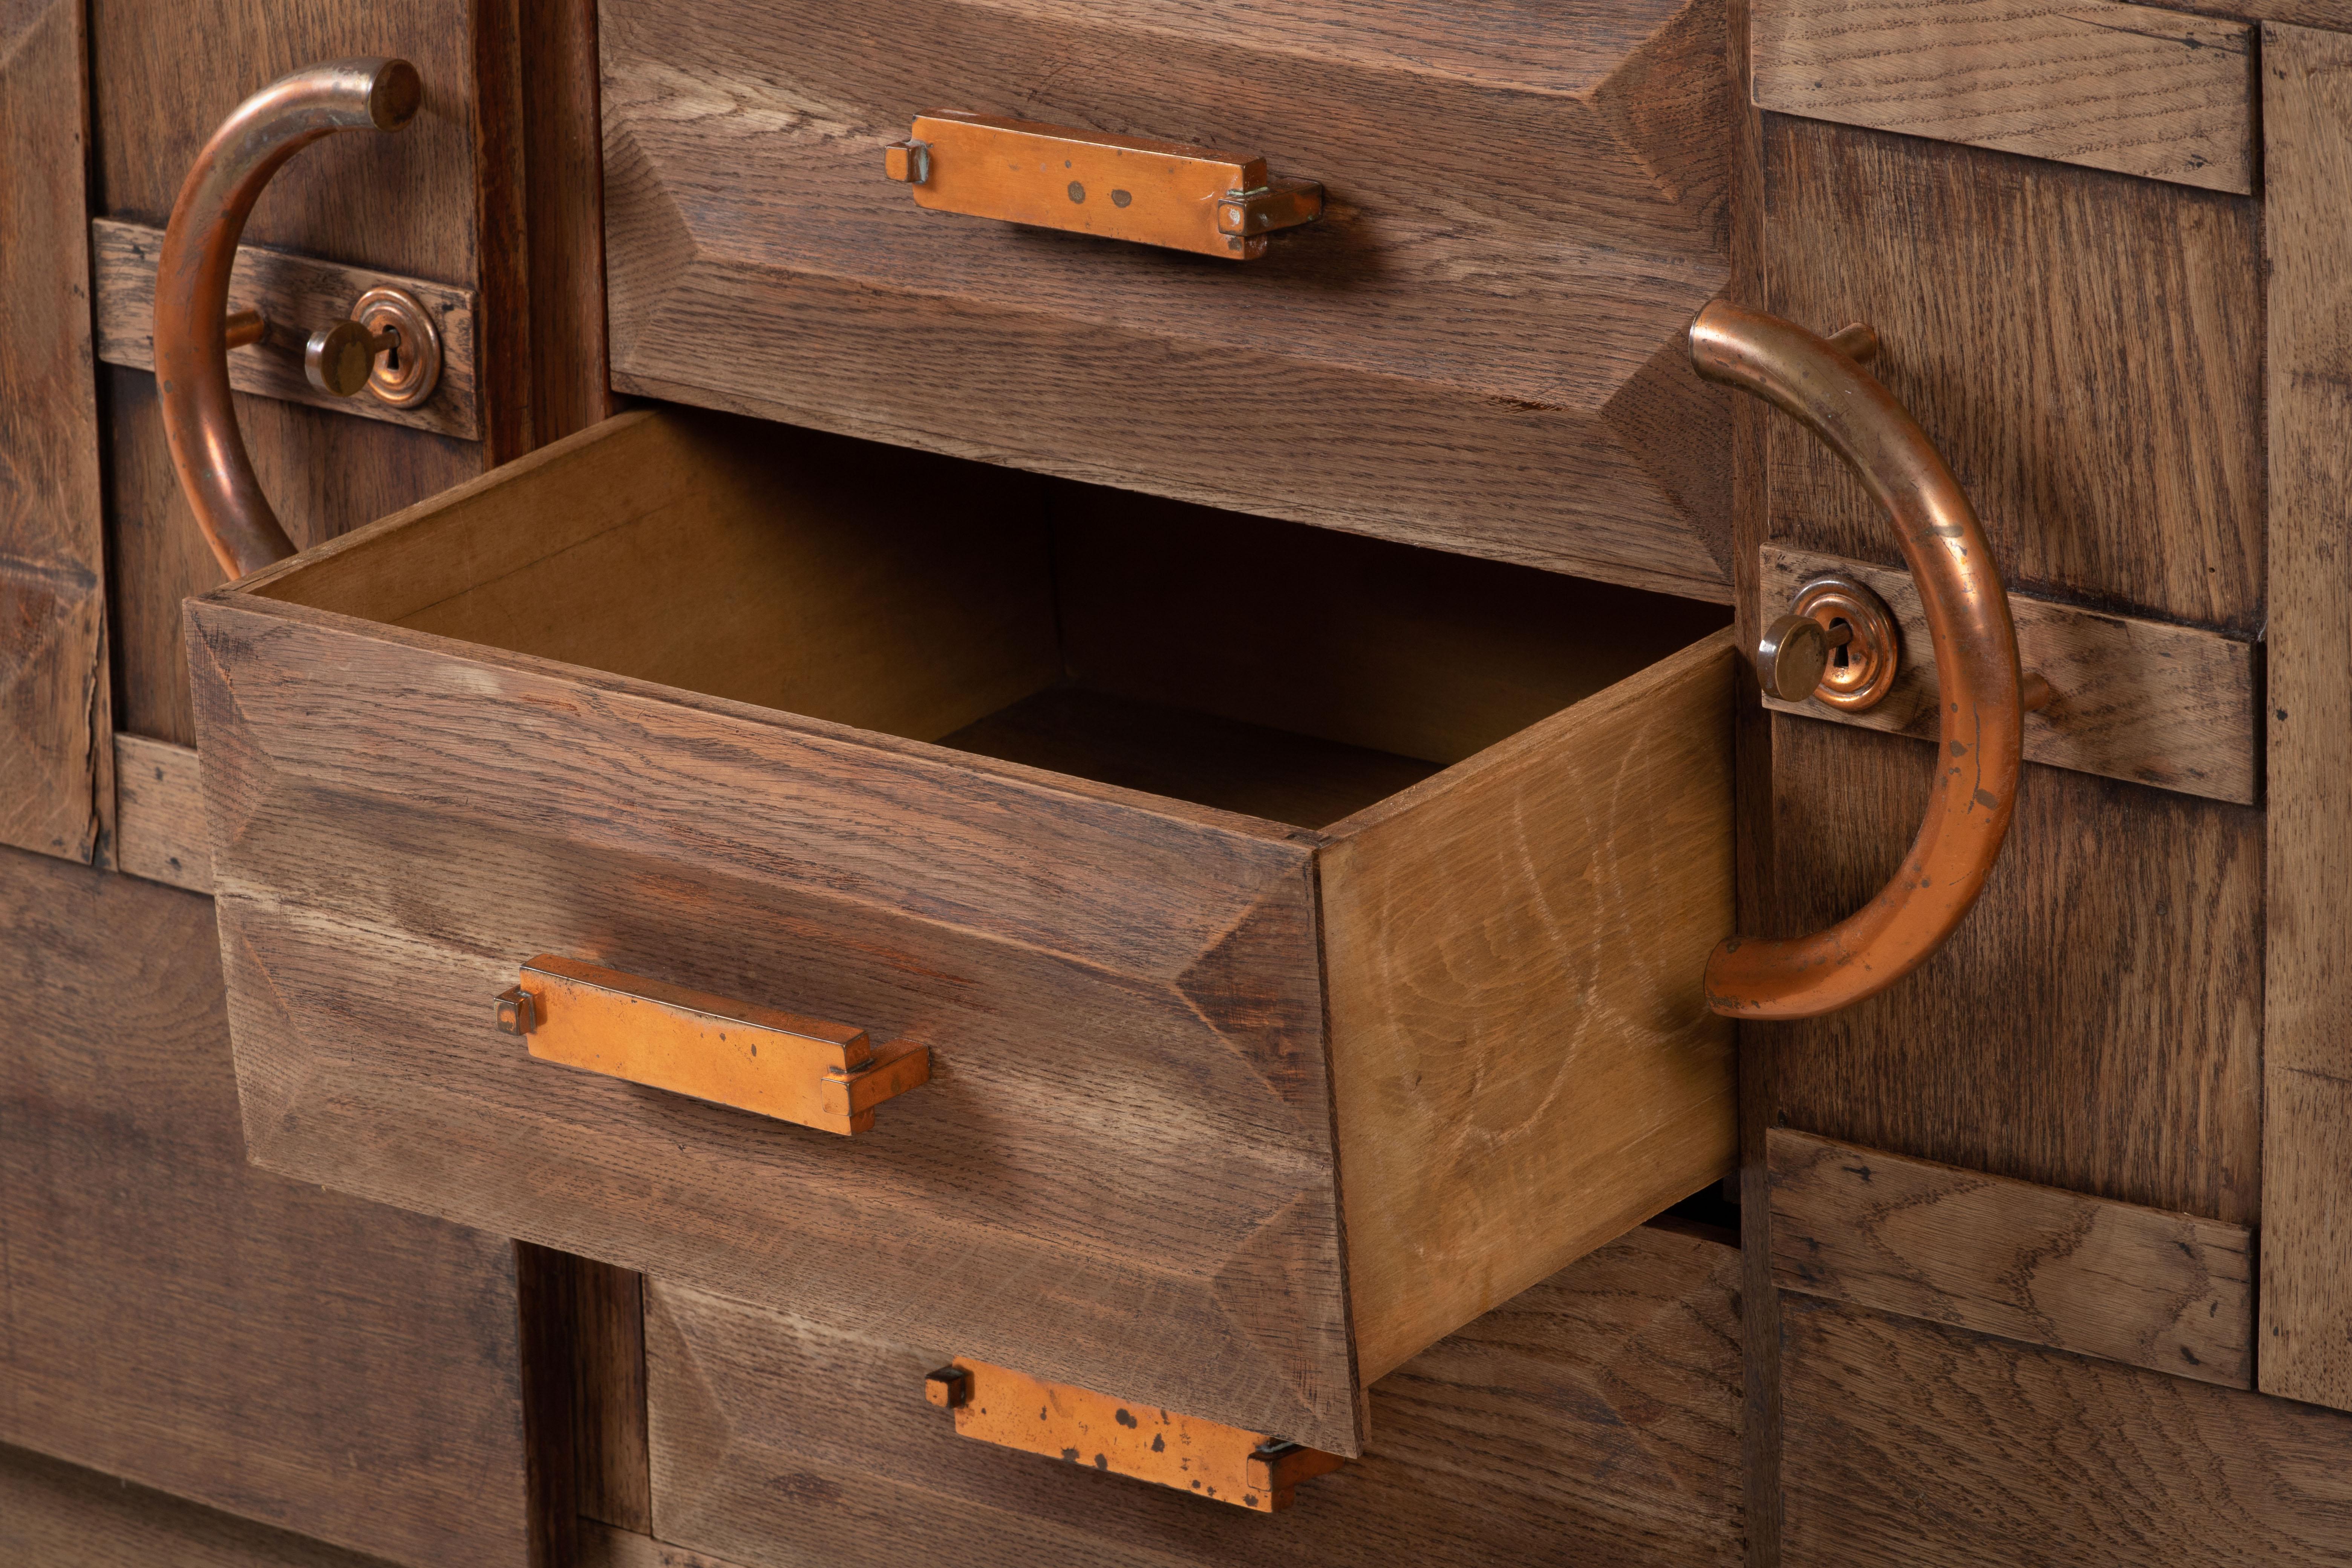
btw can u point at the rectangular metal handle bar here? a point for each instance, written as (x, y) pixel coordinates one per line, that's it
(805, 1070)
(1119, 188)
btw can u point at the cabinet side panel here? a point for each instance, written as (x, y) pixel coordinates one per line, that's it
(56, 763)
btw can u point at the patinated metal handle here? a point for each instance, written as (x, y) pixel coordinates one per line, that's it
(1977, 674)
(809, 1070)
(1167, 194)
(192, 330)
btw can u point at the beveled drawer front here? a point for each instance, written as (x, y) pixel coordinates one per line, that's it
(1338, 831)
(1592, 1421)
(1477, 344)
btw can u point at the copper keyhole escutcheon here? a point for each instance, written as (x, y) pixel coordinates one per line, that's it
(1864, 649)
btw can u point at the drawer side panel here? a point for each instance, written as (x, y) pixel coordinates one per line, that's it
(1522, 1053)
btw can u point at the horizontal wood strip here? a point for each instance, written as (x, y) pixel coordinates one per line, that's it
(2127, 88)
(160, 831)
(2169, 1292)
(2145, 700)
(301, 292)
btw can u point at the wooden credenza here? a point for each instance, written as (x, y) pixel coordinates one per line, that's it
(1274, 737)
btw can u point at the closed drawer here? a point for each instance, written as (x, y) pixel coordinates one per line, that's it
(1306, 930)
(1479, 345)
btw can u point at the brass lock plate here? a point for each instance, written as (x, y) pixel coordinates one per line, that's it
(1119, 188)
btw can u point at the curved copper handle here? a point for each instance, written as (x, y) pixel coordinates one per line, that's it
(192, 284)
(1975, 670)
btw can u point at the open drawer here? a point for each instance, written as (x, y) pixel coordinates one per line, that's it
(1306, 930)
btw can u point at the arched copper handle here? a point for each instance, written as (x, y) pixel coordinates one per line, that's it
(192, 284)
(1976, 673)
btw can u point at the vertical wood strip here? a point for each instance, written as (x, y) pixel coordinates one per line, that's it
(57, 764)
(2128, 88)
(2306, 1298)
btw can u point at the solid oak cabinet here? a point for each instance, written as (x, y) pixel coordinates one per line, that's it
(1306, 930)
(1144, 822)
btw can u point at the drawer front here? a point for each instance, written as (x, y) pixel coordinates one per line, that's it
(1119, 1175)
(1593, 1420)
(1477, 345)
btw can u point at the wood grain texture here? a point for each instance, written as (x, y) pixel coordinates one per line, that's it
(2166, 1292)
(1139, 977)
(56, 1515)
(2160, 94)
(57, 756)
(1592, 1419)
(161, 832)
(1471, 362)
(325, 473)
(2094, 1025)
(177, 1317)
(164, 75)
(1924, 1446)
(2306, 1335)
(609, 1395)
(300, 293)
(2159, 704)
(1523, 1058)
(1142, 975)
(2077, 344)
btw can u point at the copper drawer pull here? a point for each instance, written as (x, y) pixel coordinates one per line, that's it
(193, 332)
(1982, 736)
(1119, 188)
(805, 1070)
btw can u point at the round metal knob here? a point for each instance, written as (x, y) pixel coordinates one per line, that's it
(1792, 658)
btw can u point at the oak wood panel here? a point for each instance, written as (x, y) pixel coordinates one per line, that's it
(1524, 1062)
(325, 472)
(296, 292)
(164, 75)
(2159, 704)
(609, 1394)
(56, 1515)
(1362, 641)
(2133, 89)
(2308, 1044)
(2095, 1024)
(1592, 1419)
(2166, 1292)
(1927, 1447)
(57, 759)
(2077, 344)
(161, 832)
(1474, 362)
(1159, 1015)
(175, 1316)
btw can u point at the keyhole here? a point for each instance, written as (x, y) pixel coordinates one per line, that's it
(1838, 653)
(391, 361)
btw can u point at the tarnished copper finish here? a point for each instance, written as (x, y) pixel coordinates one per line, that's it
(406, 375)
(1968, 617)
(193, 274)
(1119, 188)
(1255, 1470)
(809, 1070)
(1872, 644)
